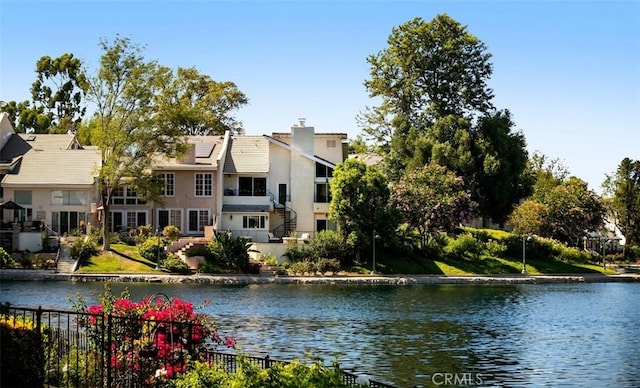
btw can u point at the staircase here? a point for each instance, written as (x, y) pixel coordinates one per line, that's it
(290, 221)
(66, 264)
(180, 247)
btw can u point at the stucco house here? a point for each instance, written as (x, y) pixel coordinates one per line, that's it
(51, 177)
(279, 184)
(263, 187)
(191, 197)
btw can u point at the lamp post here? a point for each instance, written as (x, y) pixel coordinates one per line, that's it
(603, 245)
(158, 233)
(375, 236)
(524, 253)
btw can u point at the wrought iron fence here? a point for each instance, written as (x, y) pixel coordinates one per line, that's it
(94, 350)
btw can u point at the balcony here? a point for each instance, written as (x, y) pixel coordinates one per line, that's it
(233, 196)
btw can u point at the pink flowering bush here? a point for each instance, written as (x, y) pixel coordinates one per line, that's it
(149, 341)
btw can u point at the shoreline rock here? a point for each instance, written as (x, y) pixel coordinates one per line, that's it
(44, 275)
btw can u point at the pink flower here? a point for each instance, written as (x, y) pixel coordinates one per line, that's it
(95, 309)
(230, 342)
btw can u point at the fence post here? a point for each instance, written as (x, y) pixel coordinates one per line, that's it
(38, 319)
(267, 362)
(43, 372)
(108, 344)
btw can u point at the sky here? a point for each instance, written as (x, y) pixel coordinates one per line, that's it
(568, 71)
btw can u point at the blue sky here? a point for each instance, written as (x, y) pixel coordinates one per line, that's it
(569, 71)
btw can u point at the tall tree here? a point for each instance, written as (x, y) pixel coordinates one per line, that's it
(432, 199)
(57, 97)
(624, 188)
(547, 174)
(573, 210)
(529, 218)
(198, 105)
(359, 198)
(60, 89)
(500, 175)
(125, 91)
(436, 109)
(567, 207)
(13, 109)
(430, 70)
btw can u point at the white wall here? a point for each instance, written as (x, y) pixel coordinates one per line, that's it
(29, 241)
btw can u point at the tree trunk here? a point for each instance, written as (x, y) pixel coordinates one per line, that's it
(105, 225)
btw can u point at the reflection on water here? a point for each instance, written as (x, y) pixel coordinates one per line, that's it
(533, 335)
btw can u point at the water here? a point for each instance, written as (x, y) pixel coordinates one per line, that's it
(503, 335)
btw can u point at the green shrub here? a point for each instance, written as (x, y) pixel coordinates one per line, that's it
(481, 235)
(97, 235)
(329, 244)
(496, 248)
(171, 232)
(174, 264)
(632, 253)
(226, 251)
(464, 245)
(26, 260)
(327, 265)
(297, 253)
(151, 250)
(573, 255)
(249, 374)
(145, 231)
(6, 259)
(83, 248)
(198, 250)
(268, 259)
(302, 267)
(21, 353)
(537, 248)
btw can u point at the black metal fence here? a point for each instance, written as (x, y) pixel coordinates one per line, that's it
(72, 349)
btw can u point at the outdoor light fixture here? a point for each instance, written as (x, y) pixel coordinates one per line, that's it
(159, 233)
(524, 245)
(375, 237)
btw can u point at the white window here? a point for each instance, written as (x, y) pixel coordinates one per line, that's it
(204, 185)
(69, 197)
(170, 217)
(125, 195)
(253, 222)
(331, 143)
(169, 180)
(323, 193)
(198, 219)
(23, 197)
(136, 219)
(117, 197)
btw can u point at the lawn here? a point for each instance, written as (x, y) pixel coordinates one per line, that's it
(487, 265)
(122, 259)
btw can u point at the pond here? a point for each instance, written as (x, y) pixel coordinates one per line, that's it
(428, 335)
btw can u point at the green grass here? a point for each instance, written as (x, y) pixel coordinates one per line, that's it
(485, 265)
(131, 252)
(113, 262)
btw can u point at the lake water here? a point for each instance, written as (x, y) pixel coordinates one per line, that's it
(431, 335)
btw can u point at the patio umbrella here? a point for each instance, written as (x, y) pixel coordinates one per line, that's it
(10, 205)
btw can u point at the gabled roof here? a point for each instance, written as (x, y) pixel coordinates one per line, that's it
(49, 159)
(247, 154)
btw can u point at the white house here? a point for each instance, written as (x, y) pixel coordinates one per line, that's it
(279, 184)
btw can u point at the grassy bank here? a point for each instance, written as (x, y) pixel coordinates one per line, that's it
(121, 259)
